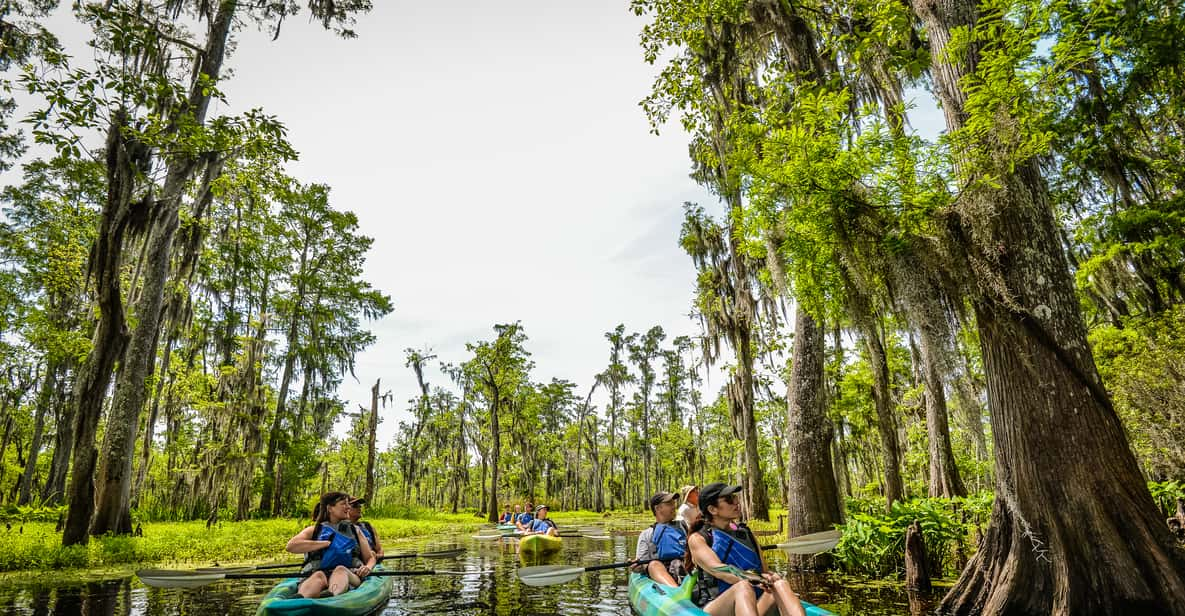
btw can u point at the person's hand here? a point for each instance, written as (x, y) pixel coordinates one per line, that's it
(362, 571)
(770, 579)
(637, 567)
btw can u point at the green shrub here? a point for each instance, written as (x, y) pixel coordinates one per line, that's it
(873, 541)
(1166, 493)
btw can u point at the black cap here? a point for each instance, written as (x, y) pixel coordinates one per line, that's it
(709, 494)
(661, 497)
(354, 502)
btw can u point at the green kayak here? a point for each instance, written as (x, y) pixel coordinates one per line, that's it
(539, 544)
(374, 592)
(650, 599)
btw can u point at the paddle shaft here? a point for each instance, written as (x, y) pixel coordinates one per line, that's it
(272, 576)
(440, 554)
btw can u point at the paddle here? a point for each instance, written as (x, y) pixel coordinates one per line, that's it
(546, 575)
(244, 569)
(813, 543)
(171, 578)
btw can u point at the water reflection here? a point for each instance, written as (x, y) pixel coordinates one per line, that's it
(499, 593)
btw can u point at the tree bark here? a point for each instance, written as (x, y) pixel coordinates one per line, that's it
(812, 495)
(45, 395)
(370, 438)
(886, 421)
(110, 337)
(944, 474)
(1074, 529)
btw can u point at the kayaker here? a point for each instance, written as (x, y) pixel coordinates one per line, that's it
(368, 531)
(507, 517)
(689, 505)
(720, 538)
(336, 552)
(523, 520)
(664, 543)
(541, 525)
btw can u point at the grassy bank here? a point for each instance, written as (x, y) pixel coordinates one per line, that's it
(35, 545)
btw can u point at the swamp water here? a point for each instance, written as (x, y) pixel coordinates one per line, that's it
(500, 592)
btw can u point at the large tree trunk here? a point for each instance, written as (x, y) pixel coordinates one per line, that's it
(813, 498)
(115, 476)
(124, 157)
(1074, 529)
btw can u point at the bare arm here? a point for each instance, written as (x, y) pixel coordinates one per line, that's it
(368, 556)
(378, 545)
(303, 542)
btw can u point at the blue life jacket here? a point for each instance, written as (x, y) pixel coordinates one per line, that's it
(507, 517)
(540, 526)
(670, 541)
(738, 548)
(342, 550)
(524, 517)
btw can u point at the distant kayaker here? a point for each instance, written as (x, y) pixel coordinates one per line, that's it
(507, 517)
(689, 505)
(523, 520)
(719, 539)
(664, 543)
(368, 531)
(336, 552)
(541, 525)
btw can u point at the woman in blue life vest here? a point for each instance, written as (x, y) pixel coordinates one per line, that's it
(336, 553)
(540, 525)
(719, 539)
(664, 544)
(367, 530)
(507, 517)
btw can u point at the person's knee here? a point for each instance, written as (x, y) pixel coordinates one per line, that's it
(340, 570)
(743, 591)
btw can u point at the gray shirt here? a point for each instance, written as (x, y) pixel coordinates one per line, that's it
(646, 549)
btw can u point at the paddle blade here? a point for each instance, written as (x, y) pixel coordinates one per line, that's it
(166, 578)
(492, 537)
(546, 575)
(813, 543)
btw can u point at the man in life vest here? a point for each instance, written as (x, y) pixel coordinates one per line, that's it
(664, 543)
(736, 580)
(524, 519)
(368, 531)
(540, 525)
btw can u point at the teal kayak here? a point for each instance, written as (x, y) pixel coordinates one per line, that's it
(374, 593)
(507, 527)
(651, 599)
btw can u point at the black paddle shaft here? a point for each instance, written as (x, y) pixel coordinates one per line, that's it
(272, 576)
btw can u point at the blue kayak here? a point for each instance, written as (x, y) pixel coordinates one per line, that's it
(374, 593)
(651, 599)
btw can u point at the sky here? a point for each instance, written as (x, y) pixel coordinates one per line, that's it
(497, 154)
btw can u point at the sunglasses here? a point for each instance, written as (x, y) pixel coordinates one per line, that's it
(730, 499)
